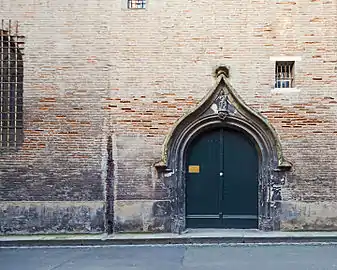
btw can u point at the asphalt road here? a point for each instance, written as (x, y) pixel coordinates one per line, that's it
(237, 257)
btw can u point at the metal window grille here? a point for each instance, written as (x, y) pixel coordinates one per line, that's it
(284, 74)
(136, 4)
(11, 85)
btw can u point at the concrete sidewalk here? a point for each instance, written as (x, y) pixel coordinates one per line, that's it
(195, 236)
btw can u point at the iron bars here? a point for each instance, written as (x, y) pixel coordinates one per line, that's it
(11, 85)
(136, 4)
(284, 74)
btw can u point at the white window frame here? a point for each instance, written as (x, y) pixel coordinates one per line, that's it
(125, 5)
(295, 60)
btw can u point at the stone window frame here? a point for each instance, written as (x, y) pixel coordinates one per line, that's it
(295, 60)
(125, 5)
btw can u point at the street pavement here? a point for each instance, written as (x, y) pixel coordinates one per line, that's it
(171, 257)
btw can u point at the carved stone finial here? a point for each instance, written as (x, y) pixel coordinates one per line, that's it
(222, 70)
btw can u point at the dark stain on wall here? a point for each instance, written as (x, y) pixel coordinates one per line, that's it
(51, 218)
(110, 189)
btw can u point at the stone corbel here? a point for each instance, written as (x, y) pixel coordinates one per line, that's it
(161, 167)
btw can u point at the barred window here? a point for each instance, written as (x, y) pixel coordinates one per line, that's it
(11, 86)
(284, 74)
(136, 4)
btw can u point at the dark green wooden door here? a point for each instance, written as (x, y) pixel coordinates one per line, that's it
(222, 181)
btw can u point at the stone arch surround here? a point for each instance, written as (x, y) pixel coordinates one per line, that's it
(223, 107)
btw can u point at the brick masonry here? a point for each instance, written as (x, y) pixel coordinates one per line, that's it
(94, 70)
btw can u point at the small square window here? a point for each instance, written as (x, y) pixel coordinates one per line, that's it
(284, 74)
(136, 4)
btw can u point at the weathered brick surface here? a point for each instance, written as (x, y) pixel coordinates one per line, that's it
(93, 70)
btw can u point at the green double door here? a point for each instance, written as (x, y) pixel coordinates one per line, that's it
(222, 181)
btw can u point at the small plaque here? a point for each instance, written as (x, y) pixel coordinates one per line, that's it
(194, 169)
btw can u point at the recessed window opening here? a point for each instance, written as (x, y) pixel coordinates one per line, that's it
(284, 74)
(136, 4)
(11, 87)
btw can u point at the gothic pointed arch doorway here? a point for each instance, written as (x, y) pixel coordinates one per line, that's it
(223, 135)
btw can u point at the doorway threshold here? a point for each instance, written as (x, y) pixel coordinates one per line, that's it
(215, 232)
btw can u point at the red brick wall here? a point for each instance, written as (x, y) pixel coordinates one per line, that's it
(93, 70)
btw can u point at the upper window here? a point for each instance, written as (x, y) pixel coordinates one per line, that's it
(11, 87)
(136, 4)
(284, 74)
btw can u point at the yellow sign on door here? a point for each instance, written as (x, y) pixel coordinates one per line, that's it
(194, 169)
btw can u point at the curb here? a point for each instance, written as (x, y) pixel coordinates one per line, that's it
(166, 241)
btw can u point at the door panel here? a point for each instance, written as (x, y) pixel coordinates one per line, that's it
(240, 199)
(202, 188)
(222, 191)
